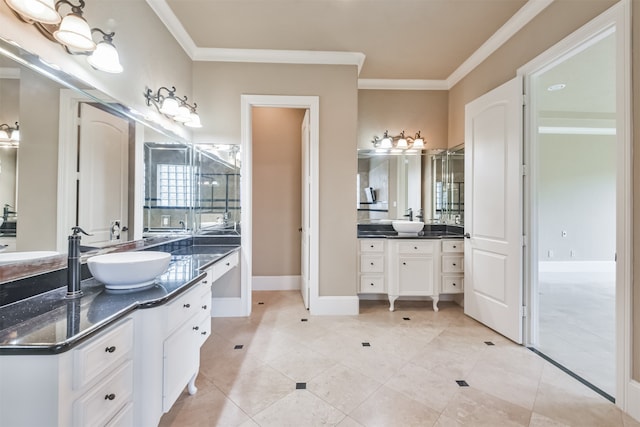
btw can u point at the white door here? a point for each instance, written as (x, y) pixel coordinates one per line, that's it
(304, 227)
(493, 210)
(102, 175)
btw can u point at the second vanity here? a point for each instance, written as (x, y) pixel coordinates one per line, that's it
(427, 265)
(109, 358)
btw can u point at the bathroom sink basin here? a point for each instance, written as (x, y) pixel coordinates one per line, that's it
(128, 270)
(407, 228)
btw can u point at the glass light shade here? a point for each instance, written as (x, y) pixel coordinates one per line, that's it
(15, 135)
(36, 10)
(386, 143)
(418, 143)
(402, 143)
(194, 121)
(74, 32)
(169, 107)
(4, 135)
(105, 58)
(183, 115)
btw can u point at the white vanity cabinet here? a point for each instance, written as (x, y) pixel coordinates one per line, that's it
(169, 351)
(452, 266)
(413, 269)
(371, 266)
(90, 385)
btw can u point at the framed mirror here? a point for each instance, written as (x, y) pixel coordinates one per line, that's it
(447, 177)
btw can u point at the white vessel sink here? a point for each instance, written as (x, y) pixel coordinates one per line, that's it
(407, 228)
(128, 270)
(10, 257)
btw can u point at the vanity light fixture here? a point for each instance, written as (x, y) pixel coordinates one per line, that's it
(173, 106)
(72, 32)
(399, 142)
(9, 134)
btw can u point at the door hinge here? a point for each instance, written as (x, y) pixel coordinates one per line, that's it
(525, 241)
(524, 170)
(523, 311)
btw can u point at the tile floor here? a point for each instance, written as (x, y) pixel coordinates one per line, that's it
(316, 372)
(577, 324)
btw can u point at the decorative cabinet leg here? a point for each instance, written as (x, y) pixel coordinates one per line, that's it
(435, 303)
(192, 384)
(392, 302)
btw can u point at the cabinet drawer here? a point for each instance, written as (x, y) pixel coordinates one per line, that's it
(452, 264)
(203, 330)
(367, 245)
(101, 354)
(417, 247)
(124, 418)
(372, 284)
(372, 263)
(104, 400)
(218, 269)
(453, 246)
(182, 308)
(452, 284)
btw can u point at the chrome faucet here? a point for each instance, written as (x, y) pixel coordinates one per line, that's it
(419, 215)
(6, 212)
(409, 214)
(74, 273)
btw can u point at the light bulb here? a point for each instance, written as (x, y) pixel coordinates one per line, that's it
(74, 32)
(43, 11)
(105, 58)
(169, 106)
(194, 121)
(182, 115)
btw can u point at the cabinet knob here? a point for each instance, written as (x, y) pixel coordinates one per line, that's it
(195, 328)
(454, 264)
(205, 282)
(415, 247)
(372, 246)
(453, 284)
(454, 246)
(404, 263)
(187, 305)
(371, 263)
(110, 396)
(371, 284)
(228, 264)
(203, 333)
(110, 349)
(204, 307)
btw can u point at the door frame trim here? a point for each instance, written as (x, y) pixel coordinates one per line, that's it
(312, 103)
(617, 17)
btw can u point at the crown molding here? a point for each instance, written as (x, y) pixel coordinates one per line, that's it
(402, 84)
(9, 73)
(280, 56)
(522, 17)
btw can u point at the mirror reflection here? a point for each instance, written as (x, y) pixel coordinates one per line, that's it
(425, 186)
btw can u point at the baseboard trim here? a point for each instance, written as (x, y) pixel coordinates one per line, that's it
(227, 307)
(335, 306)
(577, 267)
(633, 399)
(276, 283)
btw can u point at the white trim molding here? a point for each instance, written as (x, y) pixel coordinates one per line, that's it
(276, 283)
(402, 84)
(9, 73)
(522, 17)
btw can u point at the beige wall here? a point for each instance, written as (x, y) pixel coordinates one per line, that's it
(554, 23)
(219, 87)
(276, 145)
(398, 110)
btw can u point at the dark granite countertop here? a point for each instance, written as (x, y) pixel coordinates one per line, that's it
(430, 231)
(48, 323)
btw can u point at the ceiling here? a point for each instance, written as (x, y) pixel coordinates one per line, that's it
(428, 41)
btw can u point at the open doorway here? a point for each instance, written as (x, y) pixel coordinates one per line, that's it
(574, 150)
(277, 197)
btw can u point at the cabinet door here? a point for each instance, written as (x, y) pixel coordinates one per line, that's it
(416, 275)
(181, 360)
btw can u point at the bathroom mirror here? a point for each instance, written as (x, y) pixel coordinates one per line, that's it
(447, 178)
(389, 184)
(430, 182)
(32, 182)
(217, 183)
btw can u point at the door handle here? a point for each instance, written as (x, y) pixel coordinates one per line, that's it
(467, 235)
(124, 228)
